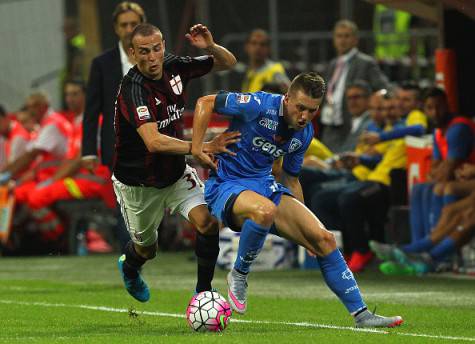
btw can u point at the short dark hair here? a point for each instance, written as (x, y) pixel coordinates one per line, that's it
(362, 85)
(3, 112)
(434, 92)
(145, 30)
(258, 30)
(76, 82)
(126, 6)
(310, 83)
(411, 86)
(347, 23)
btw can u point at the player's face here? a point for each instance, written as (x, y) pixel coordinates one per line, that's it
(344, 39)
(436, 109)
(36, 108)
(148, 52)
(376, 108)
(257, 47)
(357, 101)
(300, 109)
(407, 101)
(74, 98)
(125, 24)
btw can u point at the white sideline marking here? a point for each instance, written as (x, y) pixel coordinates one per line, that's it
(298, 324)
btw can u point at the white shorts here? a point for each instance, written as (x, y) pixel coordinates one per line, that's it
(143, 207)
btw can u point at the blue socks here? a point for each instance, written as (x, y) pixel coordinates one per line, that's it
(341, 281)
(437, 204)
(443, 249)
(420, 245)
(251, 242)
(418, 211)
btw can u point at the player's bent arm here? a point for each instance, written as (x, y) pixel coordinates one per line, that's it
(68, 169)
(203, 111)
(159, 143)
(223, 58)
(293, 184)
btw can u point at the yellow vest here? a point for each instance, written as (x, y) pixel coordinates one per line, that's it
(255, 79)
(395, 157)
(391, 29)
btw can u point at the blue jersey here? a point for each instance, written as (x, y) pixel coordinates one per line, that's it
(265, 136)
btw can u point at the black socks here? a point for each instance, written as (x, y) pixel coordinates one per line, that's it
(206, 250)
(133, 262)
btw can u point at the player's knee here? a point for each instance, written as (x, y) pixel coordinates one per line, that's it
(208, 225)
(439, 189)
(327, 242)
(264, 214)
(449, 188)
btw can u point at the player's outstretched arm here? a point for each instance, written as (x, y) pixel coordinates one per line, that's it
(202, 38)
(201, 118)
(159, 143)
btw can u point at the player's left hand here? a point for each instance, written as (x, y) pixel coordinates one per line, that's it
(200, 36)
(219, 143)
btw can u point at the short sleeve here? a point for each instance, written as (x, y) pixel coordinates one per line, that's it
(293, 161)
(460, 141)
(194, 67)
(243, 105)
(50, 140)
(135, 105)
(436, 155)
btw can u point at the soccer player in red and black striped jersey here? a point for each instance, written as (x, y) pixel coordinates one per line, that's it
(150, 173)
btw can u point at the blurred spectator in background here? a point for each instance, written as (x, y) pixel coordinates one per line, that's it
(261, 70)
(454, 143)
(75, 44)
(70, 181)
(105, 75)
(27, 120)
(14, 138)
(349, 65)
(44, 153)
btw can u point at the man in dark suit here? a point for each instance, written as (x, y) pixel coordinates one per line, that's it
(105, 75)
(349, 65)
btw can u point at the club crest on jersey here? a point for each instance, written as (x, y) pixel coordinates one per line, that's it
(142, 112)
(243, 98)
(294, 145)
(176, 84)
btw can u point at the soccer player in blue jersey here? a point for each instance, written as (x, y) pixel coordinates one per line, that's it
(242, 193)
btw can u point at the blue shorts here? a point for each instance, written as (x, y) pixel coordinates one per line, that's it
(220, 195)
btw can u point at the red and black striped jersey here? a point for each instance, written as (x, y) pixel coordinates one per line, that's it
(141, 100)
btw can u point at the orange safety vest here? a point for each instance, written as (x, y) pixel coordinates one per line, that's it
(49, 162)
(441, 139)
(16, 130)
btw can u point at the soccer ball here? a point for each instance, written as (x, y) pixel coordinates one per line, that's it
(208, 311)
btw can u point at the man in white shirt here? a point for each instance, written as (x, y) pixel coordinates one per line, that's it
(349, 65)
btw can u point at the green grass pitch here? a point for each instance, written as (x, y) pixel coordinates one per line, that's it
(82, 300)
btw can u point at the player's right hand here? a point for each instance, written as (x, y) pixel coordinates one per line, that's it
(219, 143)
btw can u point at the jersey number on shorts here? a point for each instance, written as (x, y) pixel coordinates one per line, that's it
(192, 178)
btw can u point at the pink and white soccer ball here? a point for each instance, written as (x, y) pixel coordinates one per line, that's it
(208, 311)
